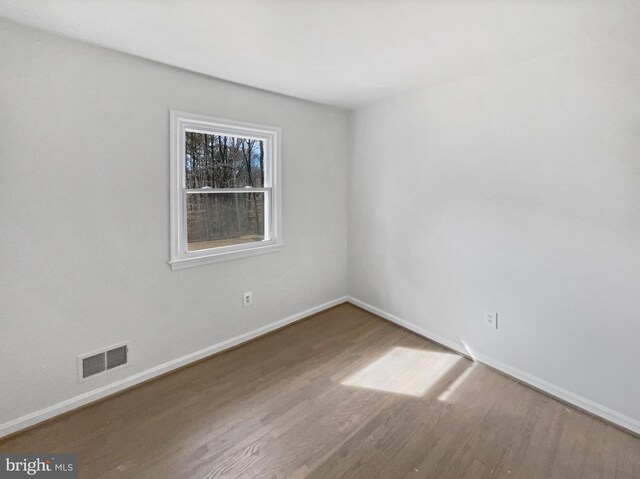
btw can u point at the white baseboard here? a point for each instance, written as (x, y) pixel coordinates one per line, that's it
(592, 407)
(102, 392)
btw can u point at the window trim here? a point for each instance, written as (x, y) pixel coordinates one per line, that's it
(179, 123)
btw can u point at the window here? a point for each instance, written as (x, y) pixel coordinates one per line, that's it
(224, 190)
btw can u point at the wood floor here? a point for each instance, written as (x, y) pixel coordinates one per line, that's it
(342, 394)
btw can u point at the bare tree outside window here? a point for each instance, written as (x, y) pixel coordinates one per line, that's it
(215, 164)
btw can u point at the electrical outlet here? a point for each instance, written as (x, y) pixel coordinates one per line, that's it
(491, 319)
(247, 298)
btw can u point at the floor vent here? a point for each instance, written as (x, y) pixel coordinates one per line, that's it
(99, 362)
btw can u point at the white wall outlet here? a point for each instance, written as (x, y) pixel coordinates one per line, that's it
(247, 299)
(491, 319)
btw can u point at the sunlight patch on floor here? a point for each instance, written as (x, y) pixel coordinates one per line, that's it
(404, 371)
(448, 393)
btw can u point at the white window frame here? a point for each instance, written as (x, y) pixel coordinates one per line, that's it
(182, 122)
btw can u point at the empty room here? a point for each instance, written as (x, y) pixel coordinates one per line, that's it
(320, 239)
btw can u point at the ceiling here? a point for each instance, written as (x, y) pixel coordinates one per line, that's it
(344, 53)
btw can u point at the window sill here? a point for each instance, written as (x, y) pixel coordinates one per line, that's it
(225, 256)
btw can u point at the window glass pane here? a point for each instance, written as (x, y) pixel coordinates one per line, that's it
(218, 161)
(223, 219)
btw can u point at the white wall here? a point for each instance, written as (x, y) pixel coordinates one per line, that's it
(84, 236)
(517, 192)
